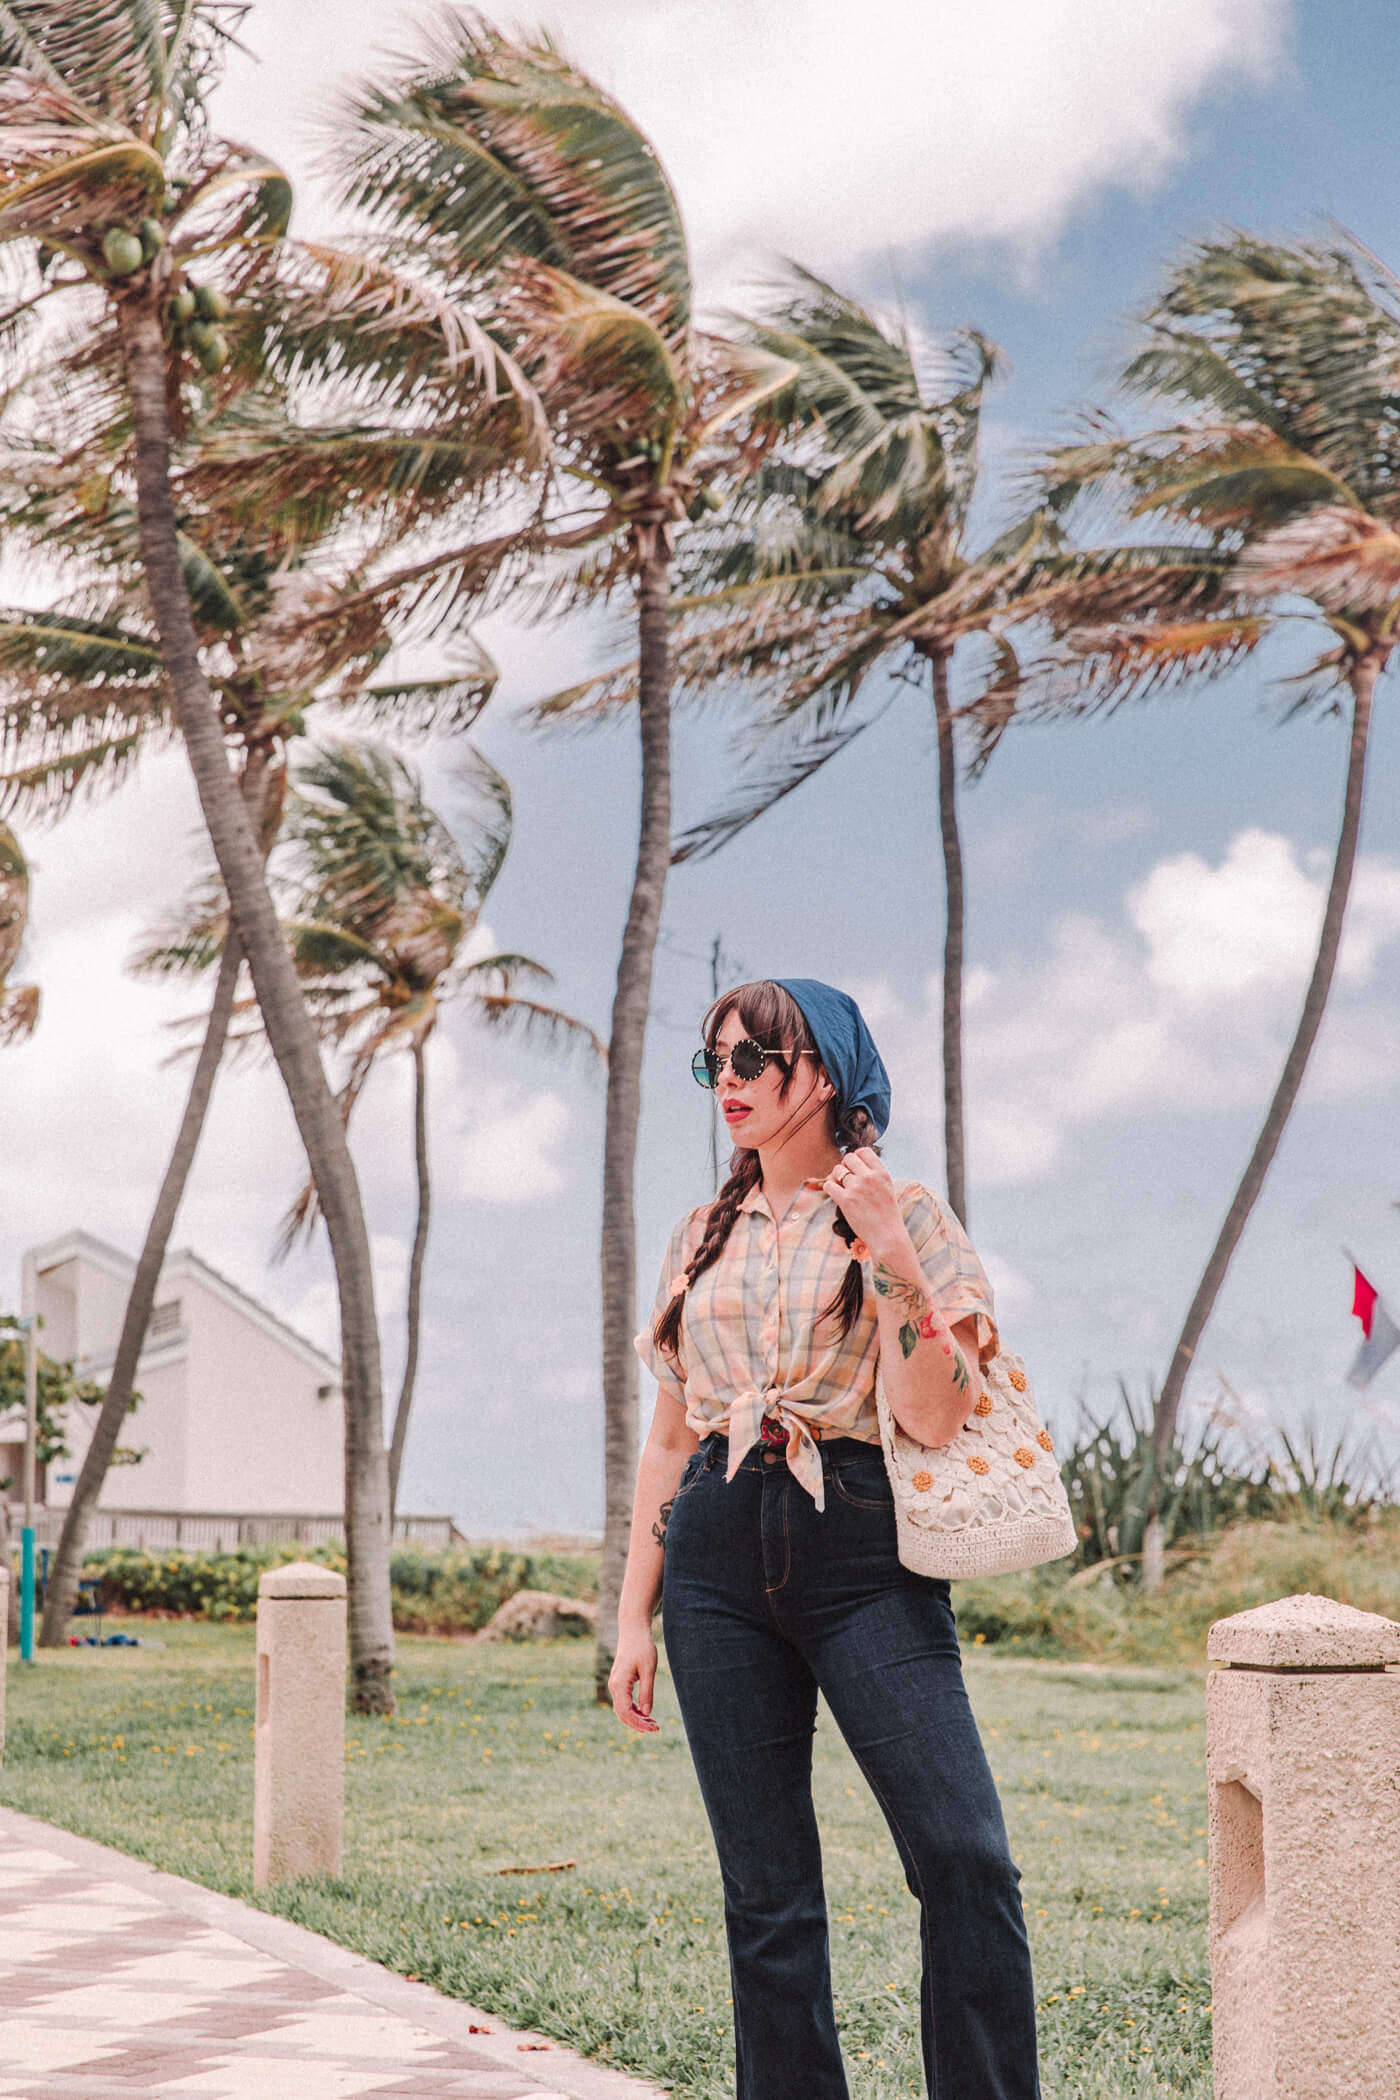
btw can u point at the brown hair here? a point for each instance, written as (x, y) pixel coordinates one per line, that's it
(772, 1016)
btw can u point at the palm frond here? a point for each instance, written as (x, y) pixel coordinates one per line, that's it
(329, 950)
(786, 655)
(19, 1012)
(485, 816)
(377, 861)
(19, 1003)
(501, 150)
(190, 941)
(991, 713)
(214, 599)
(425, 592)
(734, 380)
(502, 971)
(59, 182)
(803, 756)
(299, 483)
(597, 362)
(49, 788)
(239, 201)
(45, 652)
(535, 1024)
(1100, 669)
(14, 900)
(426, 706)
(375, 322)
(1343, 560)
(599, 698)
(132, 62)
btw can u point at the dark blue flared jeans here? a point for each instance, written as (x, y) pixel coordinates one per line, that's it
(767, 1602)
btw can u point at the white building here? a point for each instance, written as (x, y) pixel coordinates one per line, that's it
(238, 1415)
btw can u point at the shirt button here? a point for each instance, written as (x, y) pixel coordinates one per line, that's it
(770, 1458)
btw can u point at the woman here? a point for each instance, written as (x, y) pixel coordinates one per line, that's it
(762, 1488)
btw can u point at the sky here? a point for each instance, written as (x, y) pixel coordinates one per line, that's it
(1143, 892)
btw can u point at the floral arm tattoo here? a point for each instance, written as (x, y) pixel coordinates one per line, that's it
(921, 1322)
(663, 1518)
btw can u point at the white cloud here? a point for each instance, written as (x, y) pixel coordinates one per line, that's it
(1254, 921)
(496, 1137)
(1185, 1004)
(799, 127)
(508, 1146)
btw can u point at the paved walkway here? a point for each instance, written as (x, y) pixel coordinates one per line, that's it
(117, 1980)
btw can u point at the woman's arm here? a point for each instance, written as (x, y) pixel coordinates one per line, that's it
(669, 1444)
(929, 1367)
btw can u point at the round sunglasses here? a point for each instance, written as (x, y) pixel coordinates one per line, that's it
(747, 1060)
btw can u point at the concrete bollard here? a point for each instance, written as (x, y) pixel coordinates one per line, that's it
(1303, 1764)
(299, 1727)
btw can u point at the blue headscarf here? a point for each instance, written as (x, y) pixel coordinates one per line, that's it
(845, 1046)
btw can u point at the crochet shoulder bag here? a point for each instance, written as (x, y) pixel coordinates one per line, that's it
(989, 1502)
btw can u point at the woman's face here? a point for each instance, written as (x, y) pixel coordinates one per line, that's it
(755, 1111)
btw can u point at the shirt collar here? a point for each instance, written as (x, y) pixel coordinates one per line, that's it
(806, 1196)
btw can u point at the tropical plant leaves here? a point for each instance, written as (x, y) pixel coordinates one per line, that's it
(503, 151)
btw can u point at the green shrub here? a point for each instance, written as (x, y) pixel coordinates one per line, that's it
(457, 1592)
(203, 1585)
(1210, 1480)
(1094, 1615)
(454, 1592)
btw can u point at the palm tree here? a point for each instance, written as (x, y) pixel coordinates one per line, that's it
(383, 903)
(83, 696)
(1278, 367)
(19, 1003)
(114, 200)
(846, 555)
(528, 191)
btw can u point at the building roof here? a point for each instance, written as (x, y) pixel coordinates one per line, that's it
(182, 1261)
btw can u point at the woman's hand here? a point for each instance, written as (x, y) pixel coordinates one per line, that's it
(634, 1664)
(861, 1187)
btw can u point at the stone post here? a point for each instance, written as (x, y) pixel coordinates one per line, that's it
(1303, 1764)
(299, 1727)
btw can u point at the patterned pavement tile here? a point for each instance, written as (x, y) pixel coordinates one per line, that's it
(110, 1991)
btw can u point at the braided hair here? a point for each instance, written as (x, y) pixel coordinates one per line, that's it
(771, 1015)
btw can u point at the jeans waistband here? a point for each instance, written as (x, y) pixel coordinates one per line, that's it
(716, 1449)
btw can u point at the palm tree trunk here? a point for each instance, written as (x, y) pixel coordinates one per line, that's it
(61, 1594)
(1363, 679)
(415, 1270)
(629, 1021)
(288, 1025)
(954, 1143)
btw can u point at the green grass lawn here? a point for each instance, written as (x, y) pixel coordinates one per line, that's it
(498, 1757)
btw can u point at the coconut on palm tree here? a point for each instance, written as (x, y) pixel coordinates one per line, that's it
(528, 191)
(383, 912)
(847, 556)
(1274, 370)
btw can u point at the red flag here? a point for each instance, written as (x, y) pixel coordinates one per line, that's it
(1380, 1333)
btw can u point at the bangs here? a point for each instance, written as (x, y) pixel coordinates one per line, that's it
(769, 1014)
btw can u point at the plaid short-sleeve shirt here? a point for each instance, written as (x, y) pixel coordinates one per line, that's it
(752, 1345)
